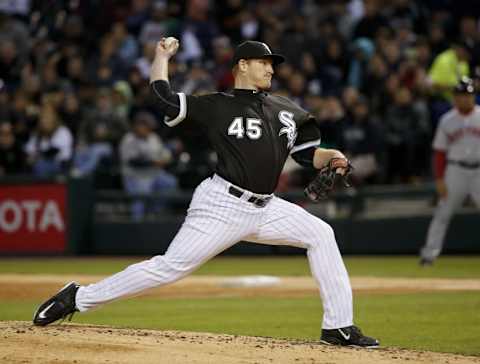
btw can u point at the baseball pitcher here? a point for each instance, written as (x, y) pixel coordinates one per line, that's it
(253, 133)
(456, 164)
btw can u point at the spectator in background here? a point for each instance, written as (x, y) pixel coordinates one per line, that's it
(99, 135)
(283, 72)
(106, 65)
(374, 89)
(71, 49)
(407, 134)
(231, 17)
(391, 54)
(404, 34)
(144, 158)
(198, 80)
(469, 35)
(51, 81)
(144, 63)
(411, 74)
(447, 68)
(63, 56)
(309, 70)
(333, 66)
(198, 32)
(371, 22)
(76, 72)
(122, 98)
(71, 112)
(5, 111)
(14, 31)
(350, 97)
(125, 43)
(437, 37)
(330, 119)
(138, 15)
(422, 53)
(363, 50)
(50, 147)
(405, 13)
(361, 142)
(159, 25)
(24, 116)
(221, 72)
(10, 64)
(295, 40)
(12, 156)
(101, 123)
(297, 87)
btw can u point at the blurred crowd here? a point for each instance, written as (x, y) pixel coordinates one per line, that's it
(75, 97)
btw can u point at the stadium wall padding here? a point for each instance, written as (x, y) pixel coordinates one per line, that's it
(356, 236)
(399, 235)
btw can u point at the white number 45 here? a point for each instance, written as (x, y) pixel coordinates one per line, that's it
(253, 129)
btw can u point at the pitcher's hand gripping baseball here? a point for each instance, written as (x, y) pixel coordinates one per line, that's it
(167, 47)
(335, 172)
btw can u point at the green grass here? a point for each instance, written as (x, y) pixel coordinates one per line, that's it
(381, 266)
(436, 321)
(444, 322)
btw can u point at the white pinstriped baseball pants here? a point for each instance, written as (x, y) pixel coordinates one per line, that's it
(216, 220)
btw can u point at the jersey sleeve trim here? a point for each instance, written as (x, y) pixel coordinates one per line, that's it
(313, 143)
(182, 113)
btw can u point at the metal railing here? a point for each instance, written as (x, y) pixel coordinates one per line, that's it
(116, 204)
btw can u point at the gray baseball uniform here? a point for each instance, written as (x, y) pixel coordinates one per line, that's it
(459, 137)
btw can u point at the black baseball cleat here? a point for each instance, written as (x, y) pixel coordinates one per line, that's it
(57, 307)
(348, 336)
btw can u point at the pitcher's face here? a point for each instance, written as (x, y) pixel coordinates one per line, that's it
(260, 72)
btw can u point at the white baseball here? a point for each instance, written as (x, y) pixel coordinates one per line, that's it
(169, 41)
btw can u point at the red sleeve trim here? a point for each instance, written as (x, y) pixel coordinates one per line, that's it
(439, 163)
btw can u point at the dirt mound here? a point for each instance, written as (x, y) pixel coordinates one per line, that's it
(73, 343)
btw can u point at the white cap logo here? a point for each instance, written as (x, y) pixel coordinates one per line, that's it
(266, 46)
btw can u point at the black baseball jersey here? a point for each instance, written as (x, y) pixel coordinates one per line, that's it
(252, 132)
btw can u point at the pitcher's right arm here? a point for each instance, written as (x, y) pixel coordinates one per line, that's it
(170, 102)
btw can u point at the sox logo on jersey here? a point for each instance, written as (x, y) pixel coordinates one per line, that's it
(455, 136)
(290, 128)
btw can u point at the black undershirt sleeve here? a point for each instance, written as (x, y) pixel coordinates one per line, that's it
(307, 141)
(304, 157)
(169, 100)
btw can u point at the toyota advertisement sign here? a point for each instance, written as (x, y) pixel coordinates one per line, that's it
(33, 218)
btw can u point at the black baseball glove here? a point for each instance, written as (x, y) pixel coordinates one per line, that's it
(327, 178)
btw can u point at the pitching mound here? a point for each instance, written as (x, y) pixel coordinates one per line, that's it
(73, 343)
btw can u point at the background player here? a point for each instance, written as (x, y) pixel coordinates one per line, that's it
(253, 133)
(457, 165)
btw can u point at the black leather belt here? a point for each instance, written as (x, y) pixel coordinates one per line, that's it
(259, 202)
(464, 164)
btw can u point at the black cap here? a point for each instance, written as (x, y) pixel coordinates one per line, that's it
(253, 50)
(465, 86)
